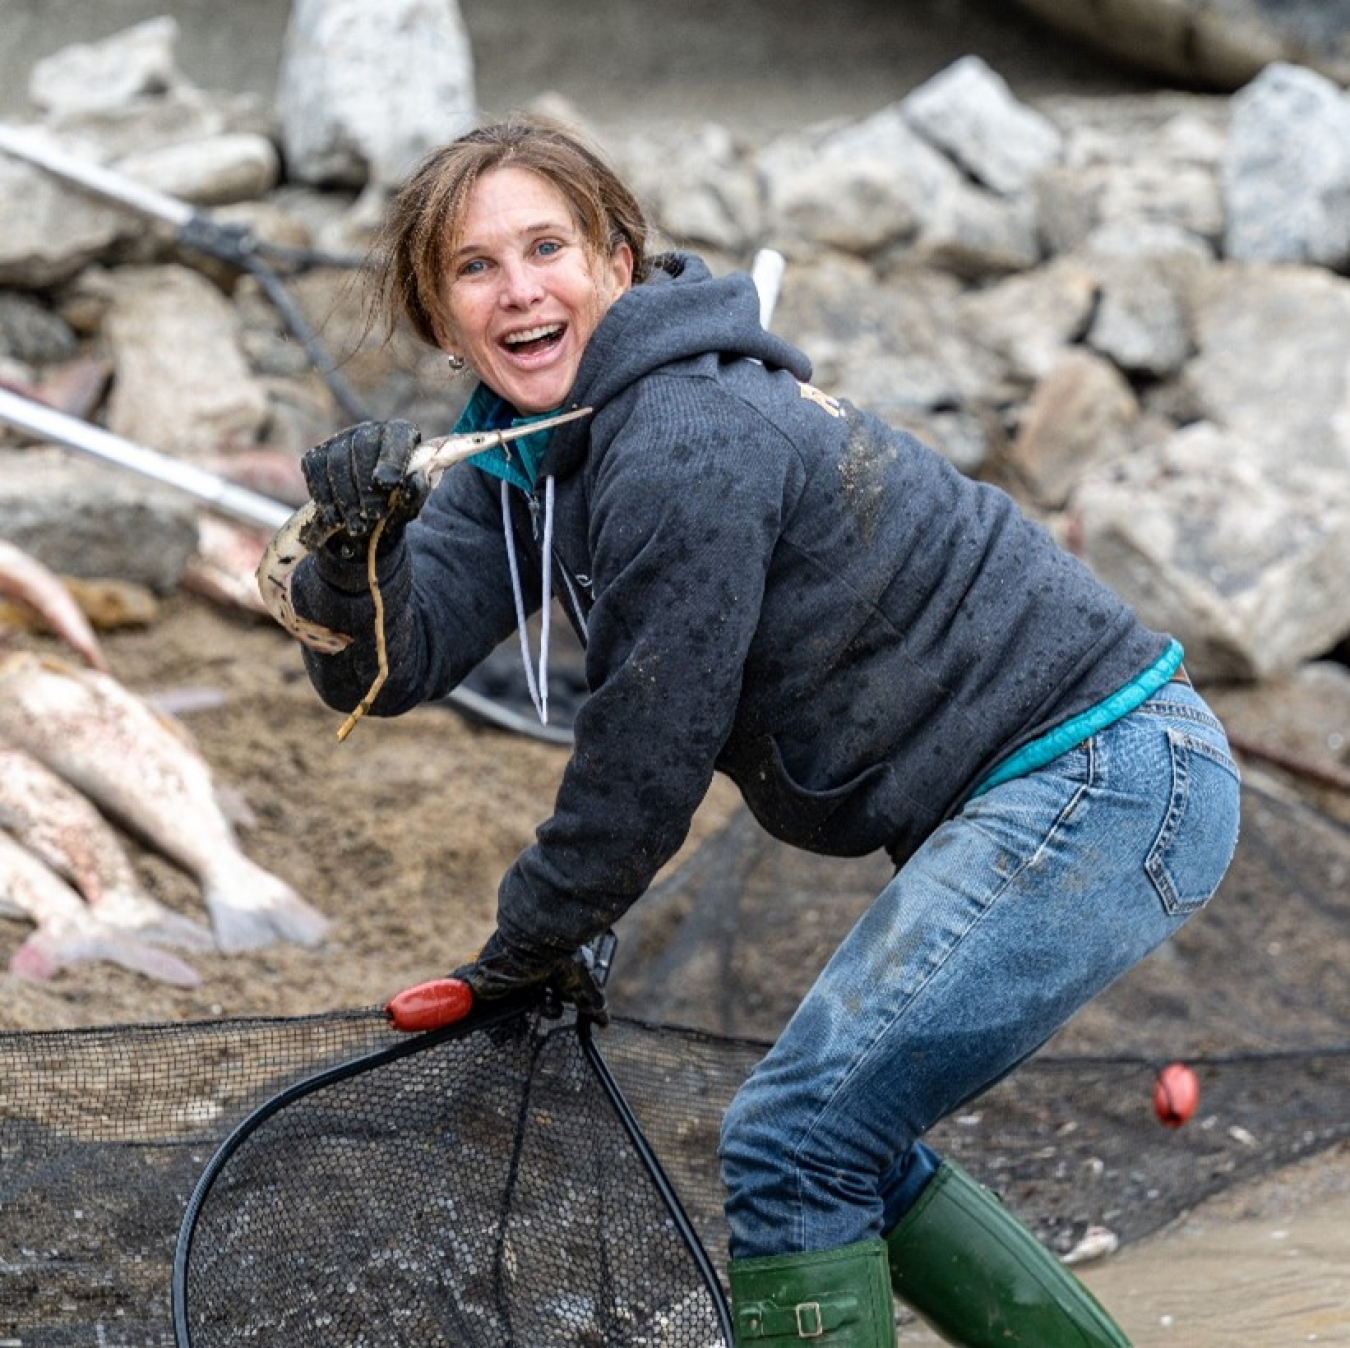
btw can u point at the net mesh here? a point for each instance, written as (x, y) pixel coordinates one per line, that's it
(481, 1190)
(523, 1199)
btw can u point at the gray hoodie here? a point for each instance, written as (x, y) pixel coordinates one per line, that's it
(769, 582)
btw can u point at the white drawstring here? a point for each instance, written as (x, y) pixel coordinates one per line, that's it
(538, 686)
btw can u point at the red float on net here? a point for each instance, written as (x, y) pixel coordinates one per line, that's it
(1176, 1092)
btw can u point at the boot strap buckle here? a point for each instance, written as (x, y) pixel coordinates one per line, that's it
(810, 1322)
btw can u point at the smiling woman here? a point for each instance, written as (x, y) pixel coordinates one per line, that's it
(527, 289)
(445, 224)
(882, 654)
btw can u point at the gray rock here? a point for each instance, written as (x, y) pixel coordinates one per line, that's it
(969, 112)
(1081, 415)
(1141, 323)
(49, 231)
(856, 187)
(94, 521)
(1286, 171)
(366, 90)
(180, 380)
(31, 332)
(1247, 571)
(1026, 321)
(974, 234)
(1272, 361)
(876, 186)
(701, 184)
(137, 63)
(1135, 178)
(212, 171)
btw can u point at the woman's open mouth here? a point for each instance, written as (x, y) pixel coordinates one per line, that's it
(534, 341)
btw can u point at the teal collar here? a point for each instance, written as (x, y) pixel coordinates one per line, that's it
(517, 463)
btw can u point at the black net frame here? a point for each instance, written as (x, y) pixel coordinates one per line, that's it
(484, 1184)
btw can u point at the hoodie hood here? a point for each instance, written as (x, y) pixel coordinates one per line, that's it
(679, 312)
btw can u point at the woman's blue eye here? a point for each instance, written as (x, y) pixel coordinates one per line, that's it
(548, 248)
(471, 268)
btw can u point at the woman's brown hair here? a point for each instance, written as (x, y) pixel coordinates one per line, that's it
(421, 229)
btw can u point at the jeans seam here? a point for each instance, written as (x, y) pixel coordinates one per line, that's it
(1215, 753)
(1178, 800)
(1178, 711)
(1090, 748)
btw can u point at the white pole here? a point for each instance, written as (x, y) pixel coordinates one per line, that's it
(45, 154)
(767, 273)
(46, 423)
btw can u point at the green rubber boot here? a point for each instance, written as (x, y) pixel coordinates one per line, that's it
(978, 1277)
(840, 1297)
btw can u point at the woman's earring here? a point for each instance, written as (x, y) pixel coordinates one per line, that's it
(456, 363)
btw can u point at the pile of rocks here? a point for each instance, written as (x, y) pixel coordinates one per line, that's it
(1133, 312)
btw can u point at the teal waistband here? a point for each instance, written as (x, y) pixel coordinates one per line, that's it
(1078, 728)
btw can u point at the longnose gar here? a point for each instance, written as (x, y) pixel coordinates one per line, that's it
(304, 533)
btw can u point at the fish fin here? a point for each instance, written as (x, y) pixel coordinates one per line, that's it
(250, 908)
(48, 951)
(147, 919)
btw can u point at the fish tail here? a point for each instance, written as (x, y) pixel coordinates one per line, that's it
(250, 908)
(146, 919)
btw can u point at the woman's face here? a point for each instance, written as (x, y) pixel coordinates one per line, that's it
(525, 292)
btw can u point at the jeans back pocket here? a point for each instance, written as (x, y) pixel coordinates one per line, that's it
(1199, 831)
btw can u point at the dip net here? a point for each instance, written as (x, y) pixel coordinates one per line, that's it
(534, 1182)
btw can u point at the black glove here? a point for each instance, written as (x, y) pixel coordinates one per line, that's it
(502, 969)
(359, 477)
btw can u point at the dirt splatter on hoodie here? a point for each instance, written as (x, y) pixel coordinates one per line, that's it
(769, 582)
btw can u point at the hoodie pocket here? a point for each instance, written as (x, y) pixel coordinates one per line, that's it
(851, 819)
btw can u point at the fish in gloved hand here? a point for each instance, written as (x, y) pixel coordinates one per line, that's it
(146, 775)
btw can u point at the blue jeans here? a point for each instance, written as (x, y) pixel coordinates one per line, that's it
(1010, 917)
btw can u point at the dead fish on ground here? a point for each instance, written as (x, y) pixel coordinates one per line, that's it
(63, 829)
(1097, 1242)
(68, 930)
(24, 578)
(223, 566)
(112, 747)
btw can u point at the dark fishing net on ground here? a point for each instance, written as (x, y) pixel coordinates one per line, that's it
(1252, 993)
(490, 1182)
(477, 1189)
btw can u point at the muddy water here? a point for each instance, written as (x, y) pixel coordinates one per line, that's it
(1263, 1267)
(1283, 1278)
